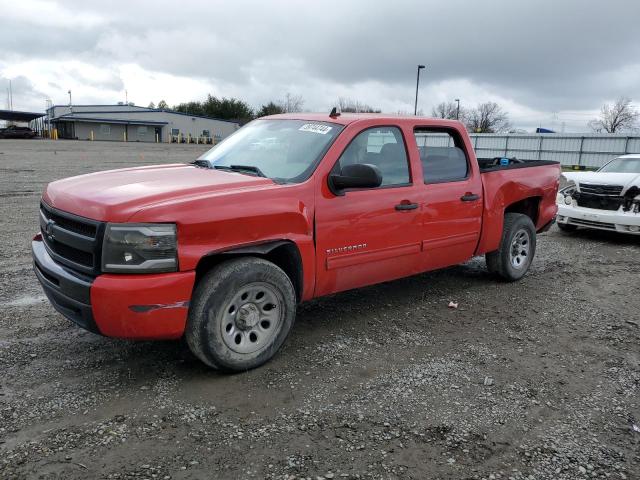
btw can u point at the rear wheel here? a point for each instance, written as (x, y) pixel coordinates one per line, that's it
(567, 227)
(517, 248)
(241, 314)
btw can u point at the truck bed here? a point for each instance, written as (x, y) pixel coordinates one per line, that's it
(533, 191)
(489, 164)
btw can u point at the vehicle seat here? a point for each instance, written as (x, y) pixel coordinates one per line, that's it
(392, 162)
(443, 163)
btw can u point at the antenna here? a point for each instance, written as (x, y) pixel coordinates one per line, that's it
(334, 112)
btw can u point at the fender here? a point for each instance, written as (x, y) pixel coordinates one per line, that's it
(284, 253)
(260, 248)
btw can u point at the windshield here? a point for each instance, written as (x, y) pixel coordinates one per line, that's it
(283, 150)
(622, 165)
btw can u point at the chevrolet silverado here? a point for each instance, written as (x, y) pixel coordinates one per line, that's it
(289, 208)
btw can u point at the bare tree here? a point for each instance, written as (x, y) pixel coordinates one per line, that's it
(349, 105)
(616, 118)
(487, 117)
(151, 105)
(162, 105)
(291, 103)
(448, 110)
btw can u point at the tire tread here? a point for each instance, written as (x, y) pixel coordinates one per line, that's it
(497, 261)
(214, 282)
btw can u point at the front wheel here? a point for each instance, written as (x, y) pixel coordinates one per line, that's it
(517, 248)
(241, 314)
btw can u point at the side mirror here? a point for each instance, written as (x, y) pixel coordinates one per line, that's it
(358, 175)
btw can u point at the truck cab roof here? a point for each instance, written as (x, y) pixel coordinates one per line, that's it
(349, 118)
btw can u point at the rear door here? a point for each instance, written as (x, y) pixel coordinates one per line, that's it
(451, 196)
(371, 235)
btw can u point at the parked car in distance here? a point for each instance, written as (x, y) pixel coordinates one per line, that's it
(13, 131)
(607, 199)
(289, 208)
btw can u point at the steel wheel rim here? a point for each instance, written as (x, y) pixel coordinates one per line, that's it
(251, 319)
(520, 249)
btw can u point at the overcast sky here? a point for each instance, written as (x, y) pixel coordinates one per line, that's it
(548, 62)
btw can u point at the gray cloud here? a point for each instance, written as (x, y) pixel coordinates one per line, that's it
(543, 56)
(22, 91)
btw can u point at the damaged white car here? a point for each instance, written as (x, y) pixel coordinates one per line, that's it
(607, 199)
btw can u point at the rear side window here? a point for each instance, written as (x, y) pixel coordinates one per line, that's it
(442, 156)
(383, 147)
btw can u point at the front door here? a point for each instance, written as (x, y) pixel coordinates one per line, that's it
(369, 235)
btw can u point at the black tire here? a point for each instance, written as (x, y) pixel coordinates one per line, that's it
(518, 236)
(567, 227)
(224, 325)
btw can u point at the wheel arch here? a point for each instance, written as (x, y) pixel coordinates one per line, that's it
(283, 253)
(529, 206)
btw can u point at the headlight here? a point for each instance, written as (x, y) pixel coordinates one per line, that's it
(570, 188)
(139, 248)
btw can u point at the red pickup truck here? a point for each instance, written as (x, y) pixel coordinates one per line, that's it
(289, 208)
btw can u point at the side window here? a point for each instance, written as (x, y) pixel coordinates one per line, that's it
(383, 147)
(442, 156)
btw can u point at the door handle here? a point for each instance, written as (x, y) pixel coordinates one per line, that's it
(469, 197)
(406, 206)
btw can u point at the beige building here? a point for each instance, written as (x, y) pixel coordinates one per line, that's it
(135, 124)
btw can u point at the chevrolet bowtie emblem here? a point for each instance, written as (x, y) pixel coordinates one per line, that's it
(48, 229)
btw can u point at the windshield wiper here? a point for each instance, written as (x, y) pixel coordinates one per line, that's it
(250, 169)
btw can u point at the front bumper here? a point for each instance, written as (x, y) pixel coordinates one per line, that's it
(142, 307)
(68, 292)
(614, 220)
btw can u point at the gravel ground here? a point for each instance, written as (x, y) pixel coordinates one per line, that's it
(534, 380)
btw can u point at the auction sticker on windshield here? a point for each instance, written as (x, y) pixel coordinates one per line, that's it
(315, 128)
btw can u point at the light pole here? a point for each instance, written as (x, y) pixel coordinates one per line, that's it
(70, 102)
(415, 108)
(458, 109)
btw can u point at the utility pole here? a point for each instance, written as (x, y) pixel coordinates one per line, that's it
(70, 103)
(458, 109)
(10, 96)
(415, 108)
(126, 97)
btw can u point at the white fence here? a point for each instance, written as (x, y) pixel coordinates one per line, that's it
(587, 150)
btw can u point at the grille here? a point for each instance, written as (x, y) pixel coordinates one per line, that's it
(71, 240)
(70, 253)
(73, 225)
(601, 202)
(607, 190)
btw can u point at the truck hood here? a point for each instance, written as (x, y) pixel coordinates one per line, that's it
(627, 180)
(116, 195)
